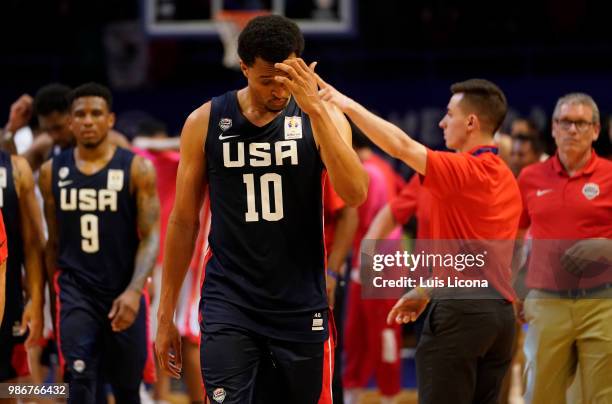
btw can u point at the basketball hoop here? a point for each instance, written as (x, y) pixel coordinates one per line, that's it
(229, 24)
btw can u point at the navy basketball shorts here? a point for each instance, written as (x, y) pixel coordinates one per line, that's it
(88, 346)
(239, 366)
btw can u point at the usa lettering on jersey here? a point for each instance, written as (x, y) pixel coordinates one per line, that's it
(260, 154)
(263, 154)
(90, 200)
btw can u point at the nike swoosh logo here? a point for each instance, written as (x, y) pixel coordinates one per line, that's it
(64, 183)
(541, 192)
(222, 137)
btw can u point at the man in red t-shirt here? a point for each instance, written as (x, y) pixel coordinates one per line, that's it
(567, 206)
(466, 346)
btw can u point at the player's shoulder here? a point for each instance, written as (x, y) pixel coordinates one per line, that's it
(199, 117)
(141, 165)
(195, 129)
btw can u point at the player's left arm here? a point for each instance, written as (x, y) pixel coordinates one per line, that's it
(147, 200)
(331, 130)
(386, 135)
(33, 242)
(125, 307)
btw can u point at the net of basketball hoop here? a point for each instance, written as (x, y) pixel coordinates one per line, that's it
(229, 24)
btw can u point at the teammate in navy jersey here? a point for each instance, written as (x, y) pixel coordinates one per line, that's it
(102, 211)
(23, 224)
(261, 151)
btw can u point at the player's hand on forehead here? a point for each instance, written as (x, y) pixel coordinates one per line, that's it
(295, 69)
(301, 82)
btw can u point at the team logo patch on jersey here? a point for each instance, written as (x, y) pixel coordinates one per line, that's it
(115, 180)
(3, 177)
(219, 395)
(293, 127)
(590, 190)
(63, 172)
(225, 124)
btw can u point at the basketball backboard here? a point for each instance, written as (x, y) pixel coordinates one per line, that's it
(196, 17)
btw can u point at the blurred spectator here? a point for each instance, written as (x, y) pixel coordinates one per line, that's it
(503, 142)
(523, 126)
(526, 150)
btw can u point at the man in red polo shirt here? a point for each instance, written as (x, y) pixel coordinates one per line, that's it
(567, 203)
(465, 348)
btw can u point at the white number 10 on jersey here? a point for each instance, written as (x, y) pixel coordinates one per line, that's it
(265, 181)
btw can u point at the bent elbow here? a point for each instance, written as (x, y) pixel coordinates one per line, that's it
(359, 192)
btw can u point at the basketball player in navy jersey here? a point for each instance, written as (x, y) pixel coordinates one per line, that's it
(102, 210)
(23, 224)
(261, 151)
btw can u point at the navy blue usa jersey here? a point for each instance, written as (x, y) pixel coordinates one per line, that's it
(266, 271)
(96, 220)
(9, 203)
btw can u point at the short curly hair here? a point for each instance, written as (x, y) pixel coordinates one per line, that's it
(51, 98)
(92, 90)
(272, 38)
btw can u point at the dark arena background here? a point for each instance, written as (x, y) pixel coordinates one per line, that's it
(163, 57)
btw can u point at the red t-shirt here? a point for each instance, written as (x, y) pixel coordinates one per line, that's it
(413, 199)
(475, 197)
(560, 210)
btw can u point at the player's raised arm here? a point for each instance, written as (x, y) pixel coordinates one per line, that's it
(33, 239)
(331, 130)
(386, 135)
(182, 232)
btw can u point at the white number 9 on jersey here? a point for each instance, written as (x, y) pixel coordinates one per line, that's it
(89, 232)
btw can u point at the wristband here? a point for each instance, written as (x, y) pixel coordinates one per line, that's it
(332, 274)
(422, 292)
